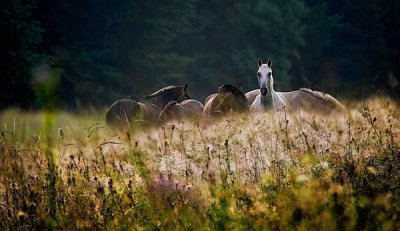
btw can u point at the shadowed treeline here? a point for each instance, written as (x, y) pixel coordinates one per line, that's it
(71, 54)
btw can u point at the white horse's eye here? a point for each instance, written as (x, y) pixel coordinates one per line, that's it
(258, 75)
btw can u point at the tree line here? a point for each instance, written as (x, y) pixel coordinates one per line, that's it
(69, 54)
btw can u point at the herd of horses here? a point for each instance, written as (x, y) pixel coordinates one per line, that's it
(174, 103)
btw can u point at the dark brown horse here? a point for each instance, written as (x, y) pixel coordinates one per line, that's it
(189, 109)
(124, 113)
(228, 99)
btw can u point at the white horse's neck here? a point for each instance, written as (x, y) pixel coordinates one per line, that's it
(274, 100)
(278, 100)
(266, 101)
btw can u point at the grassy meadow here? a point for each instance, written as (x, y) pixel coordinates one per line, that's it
(275, 171)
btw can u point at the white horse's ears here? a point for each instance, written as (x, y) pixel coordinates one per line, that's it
(269, 63)
(185, 87)
(259, 63)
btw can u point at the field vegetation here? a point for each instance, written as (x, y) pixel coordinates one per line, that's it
(273, 171)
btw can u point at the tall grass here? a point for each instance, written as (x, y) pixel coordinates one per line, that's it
(286, 170)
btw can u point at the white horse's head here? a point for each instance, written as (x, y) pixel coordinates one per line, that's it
(265, 79)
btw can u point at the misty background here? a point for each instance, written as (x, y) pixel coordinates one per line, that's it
(73, 54)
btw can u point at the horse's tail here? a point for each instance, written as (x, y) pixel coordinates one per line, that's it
(121, 113)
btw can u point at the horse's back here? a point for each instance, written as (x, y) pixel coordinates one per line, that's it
(251, 96)
(193, 109)
(173, 111)
(313, 100)
(209, 97)
(192, 103)
(214, 106)
(148, 112)
(221, 104)
(207, 106)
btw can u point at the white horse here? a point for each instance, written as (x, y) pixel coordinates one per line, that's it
(266, 98)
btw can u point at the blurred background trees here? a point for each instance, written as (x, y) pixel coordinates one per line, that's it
(20, 35)
(98, 52)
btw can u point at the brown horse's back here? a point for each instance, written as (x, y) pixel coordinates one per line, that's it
(312, 100)
(251, 96)
(125, 112)
(173, 111)
(209, 97)
(193, 109)
(120, 114)
(229, 99)
(148, 113)
(207, 106)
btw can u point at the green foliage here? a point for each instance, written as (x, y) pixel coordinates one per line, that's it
(365, 37)
(20, 35)
(106, 50)
(51, 176)
(115, 49)
(312, 60)
(46, 86)
(238, 33)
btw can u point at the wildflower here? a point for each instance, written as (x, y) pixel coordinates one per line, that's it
(324, 165)
(302, 178)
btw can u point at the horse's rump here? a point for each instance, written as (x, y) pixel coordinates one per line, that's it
(193, 109)
(173, 111)
(120, 113)
(148, 113)
(209, 97)
(186, 110)
(229, 99)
